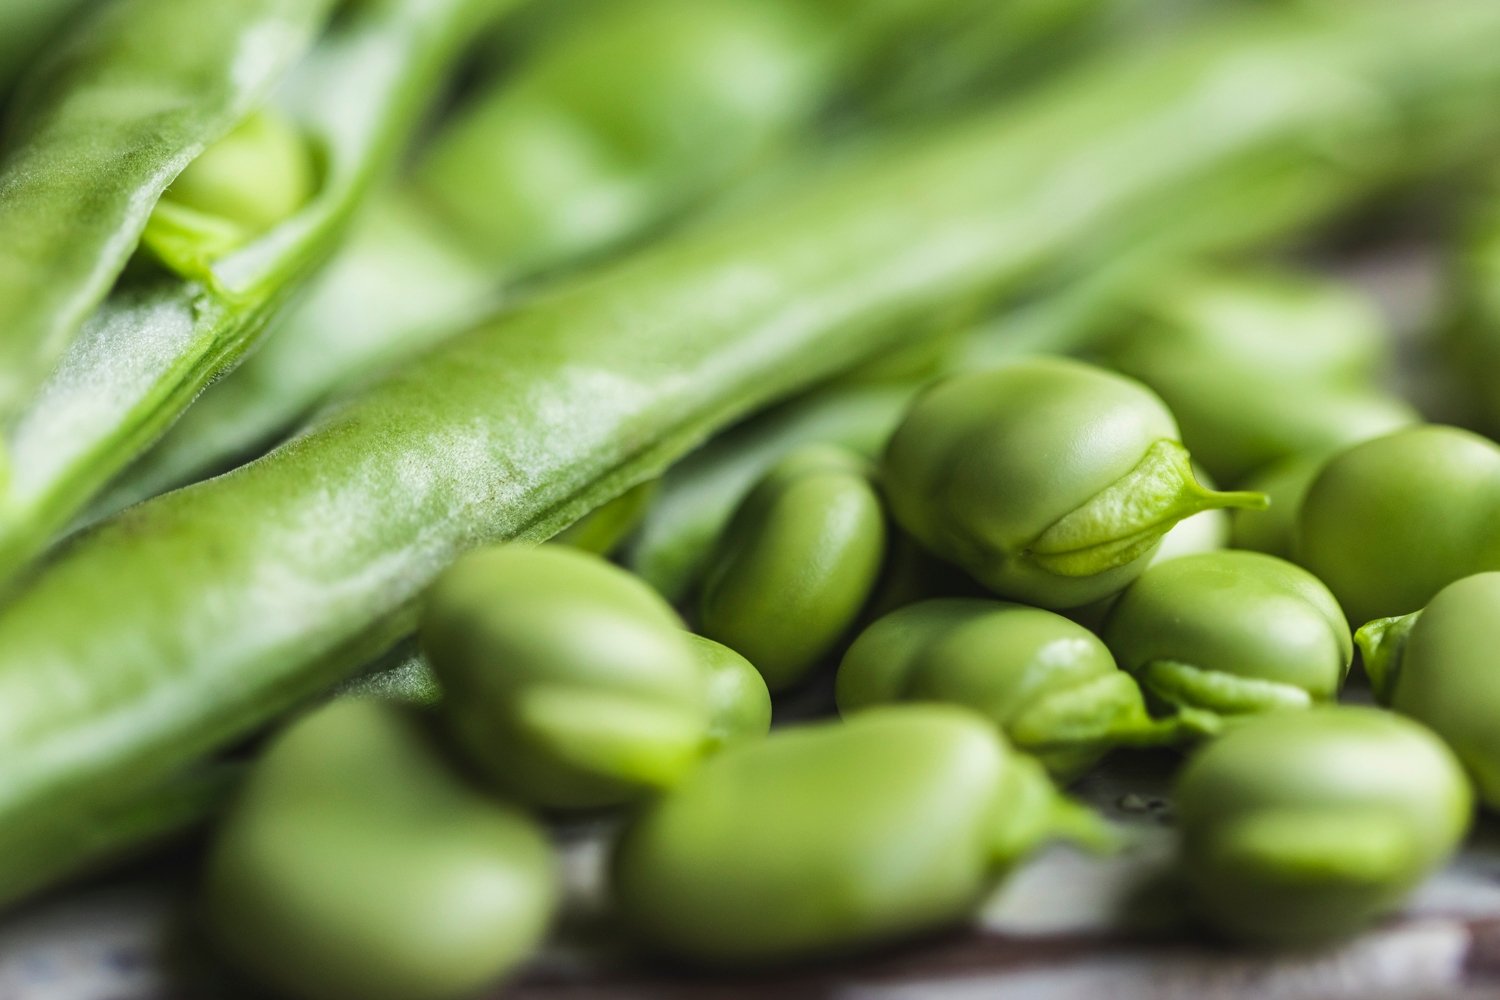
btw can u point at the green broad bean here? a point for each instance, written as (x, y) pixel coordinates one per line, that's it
(1274, 530)
(568, 683)
(209, 611)
(796, 563)
(1049, 481)
(1390, 522)
(1438, 666)
(1047, 683)
(739, 704)
(1224, 634)
(1301, 828)
(239, 188)
(831, 837)
(700, 494)
(356, 863)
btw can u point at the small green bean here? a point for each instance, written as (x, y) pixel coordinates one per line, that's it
(1390, 522)
(568, 682)
(356, 863)
(1304, 827)
(1224, 634)
(1049, 685)
(796, 563)
(1438, 665)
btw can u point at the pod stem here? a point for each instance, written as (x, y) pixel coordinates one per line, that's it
(1125, 520)
(1382, 647)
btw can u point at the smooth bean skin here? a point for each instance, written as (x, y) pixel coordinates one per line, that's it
(567, 681)
(796, 563)
(1231, 633)
(1048, 480)
(356, 863)
(739, 704)
(829, 837)
(1047, 683)
(1438, 666)
(1274, 530)
(1390, 522)
(1303, 827)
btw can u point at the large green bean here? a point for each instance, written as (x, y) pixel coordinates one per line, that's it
(161, 336)
(126, 102)
(195, 617)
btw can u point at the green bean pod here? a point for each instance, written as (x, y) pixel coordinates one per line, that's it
(1050, 481)
(1390, 522)
(610, 129)
(833, 837)
(166, 330)
(1048, 684)
(122, 105)
(356, 863)
(191, 620)
(1258, 367)
(1225, 634)
(26, 28)
(1438, 666)
(1306, 827)
(568, 683)
(796, 563)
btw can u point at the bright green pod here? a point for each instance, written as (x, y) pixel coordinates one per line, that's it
(1390, 522)
(1226, 634)
(1047, 683)
(567, 681)
(1050, 481)
(1438, 666)
(827, 838)
(357, 863)
(796, 563)
(1259, 367)
(1304, 827)
(1265, 324)
(1274, 530)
